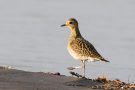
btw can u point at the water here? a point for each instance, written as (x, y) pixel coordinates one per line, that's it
(31, 37)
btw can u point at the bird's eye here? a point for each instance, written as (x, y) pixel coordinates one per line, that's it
(70, 22)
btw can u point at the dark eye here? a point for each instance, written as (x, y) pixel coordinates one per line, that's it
(70, 22)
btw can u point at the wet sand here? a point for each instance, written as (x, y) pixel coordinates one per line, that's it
(12, 79)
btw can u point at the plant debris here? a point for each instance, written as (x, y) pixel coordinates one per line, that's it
(101, 83)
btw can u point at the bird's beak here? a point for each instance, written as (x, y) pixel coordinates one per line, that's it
(63, 25)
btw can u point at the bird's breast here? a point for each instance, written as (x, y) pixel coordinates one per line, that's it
(72, 52)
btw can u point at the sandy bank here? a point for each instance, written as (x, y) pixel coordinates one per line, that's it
(12, 79)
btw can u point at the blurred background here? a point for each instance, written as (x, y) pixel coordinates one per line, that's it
(31, 38)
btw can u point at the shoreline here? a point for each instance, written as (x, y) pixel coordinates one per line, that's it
(13, 79)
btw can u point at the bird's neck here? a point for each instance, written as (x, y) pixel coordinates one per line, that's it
(75, 33)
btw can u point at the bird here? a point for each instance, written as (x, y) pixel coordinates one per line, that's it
(79, 48)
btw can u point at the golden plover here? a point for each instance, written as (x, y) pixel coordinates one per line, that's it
(80, 48)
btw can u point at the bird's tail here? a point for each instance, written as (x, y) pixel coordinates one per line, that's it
(104, 60)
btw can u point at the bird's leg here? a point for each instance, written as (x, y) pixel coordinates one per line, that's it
(83, 67)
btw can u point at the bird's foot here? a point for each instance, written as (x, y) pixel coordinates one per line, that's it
(72, 68)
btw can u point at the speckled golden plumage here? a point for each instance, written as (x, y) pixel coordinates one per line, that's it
(83, 50)
(80, 48)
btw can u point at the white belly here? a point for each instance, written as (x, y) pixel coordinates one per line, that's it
(79, 56)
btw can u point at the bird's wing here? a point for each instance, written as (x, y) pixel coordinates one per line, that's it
(91, 49)
(85, 48)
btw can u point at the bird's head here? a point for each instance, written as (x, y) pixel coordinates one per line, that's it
(71, 23)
